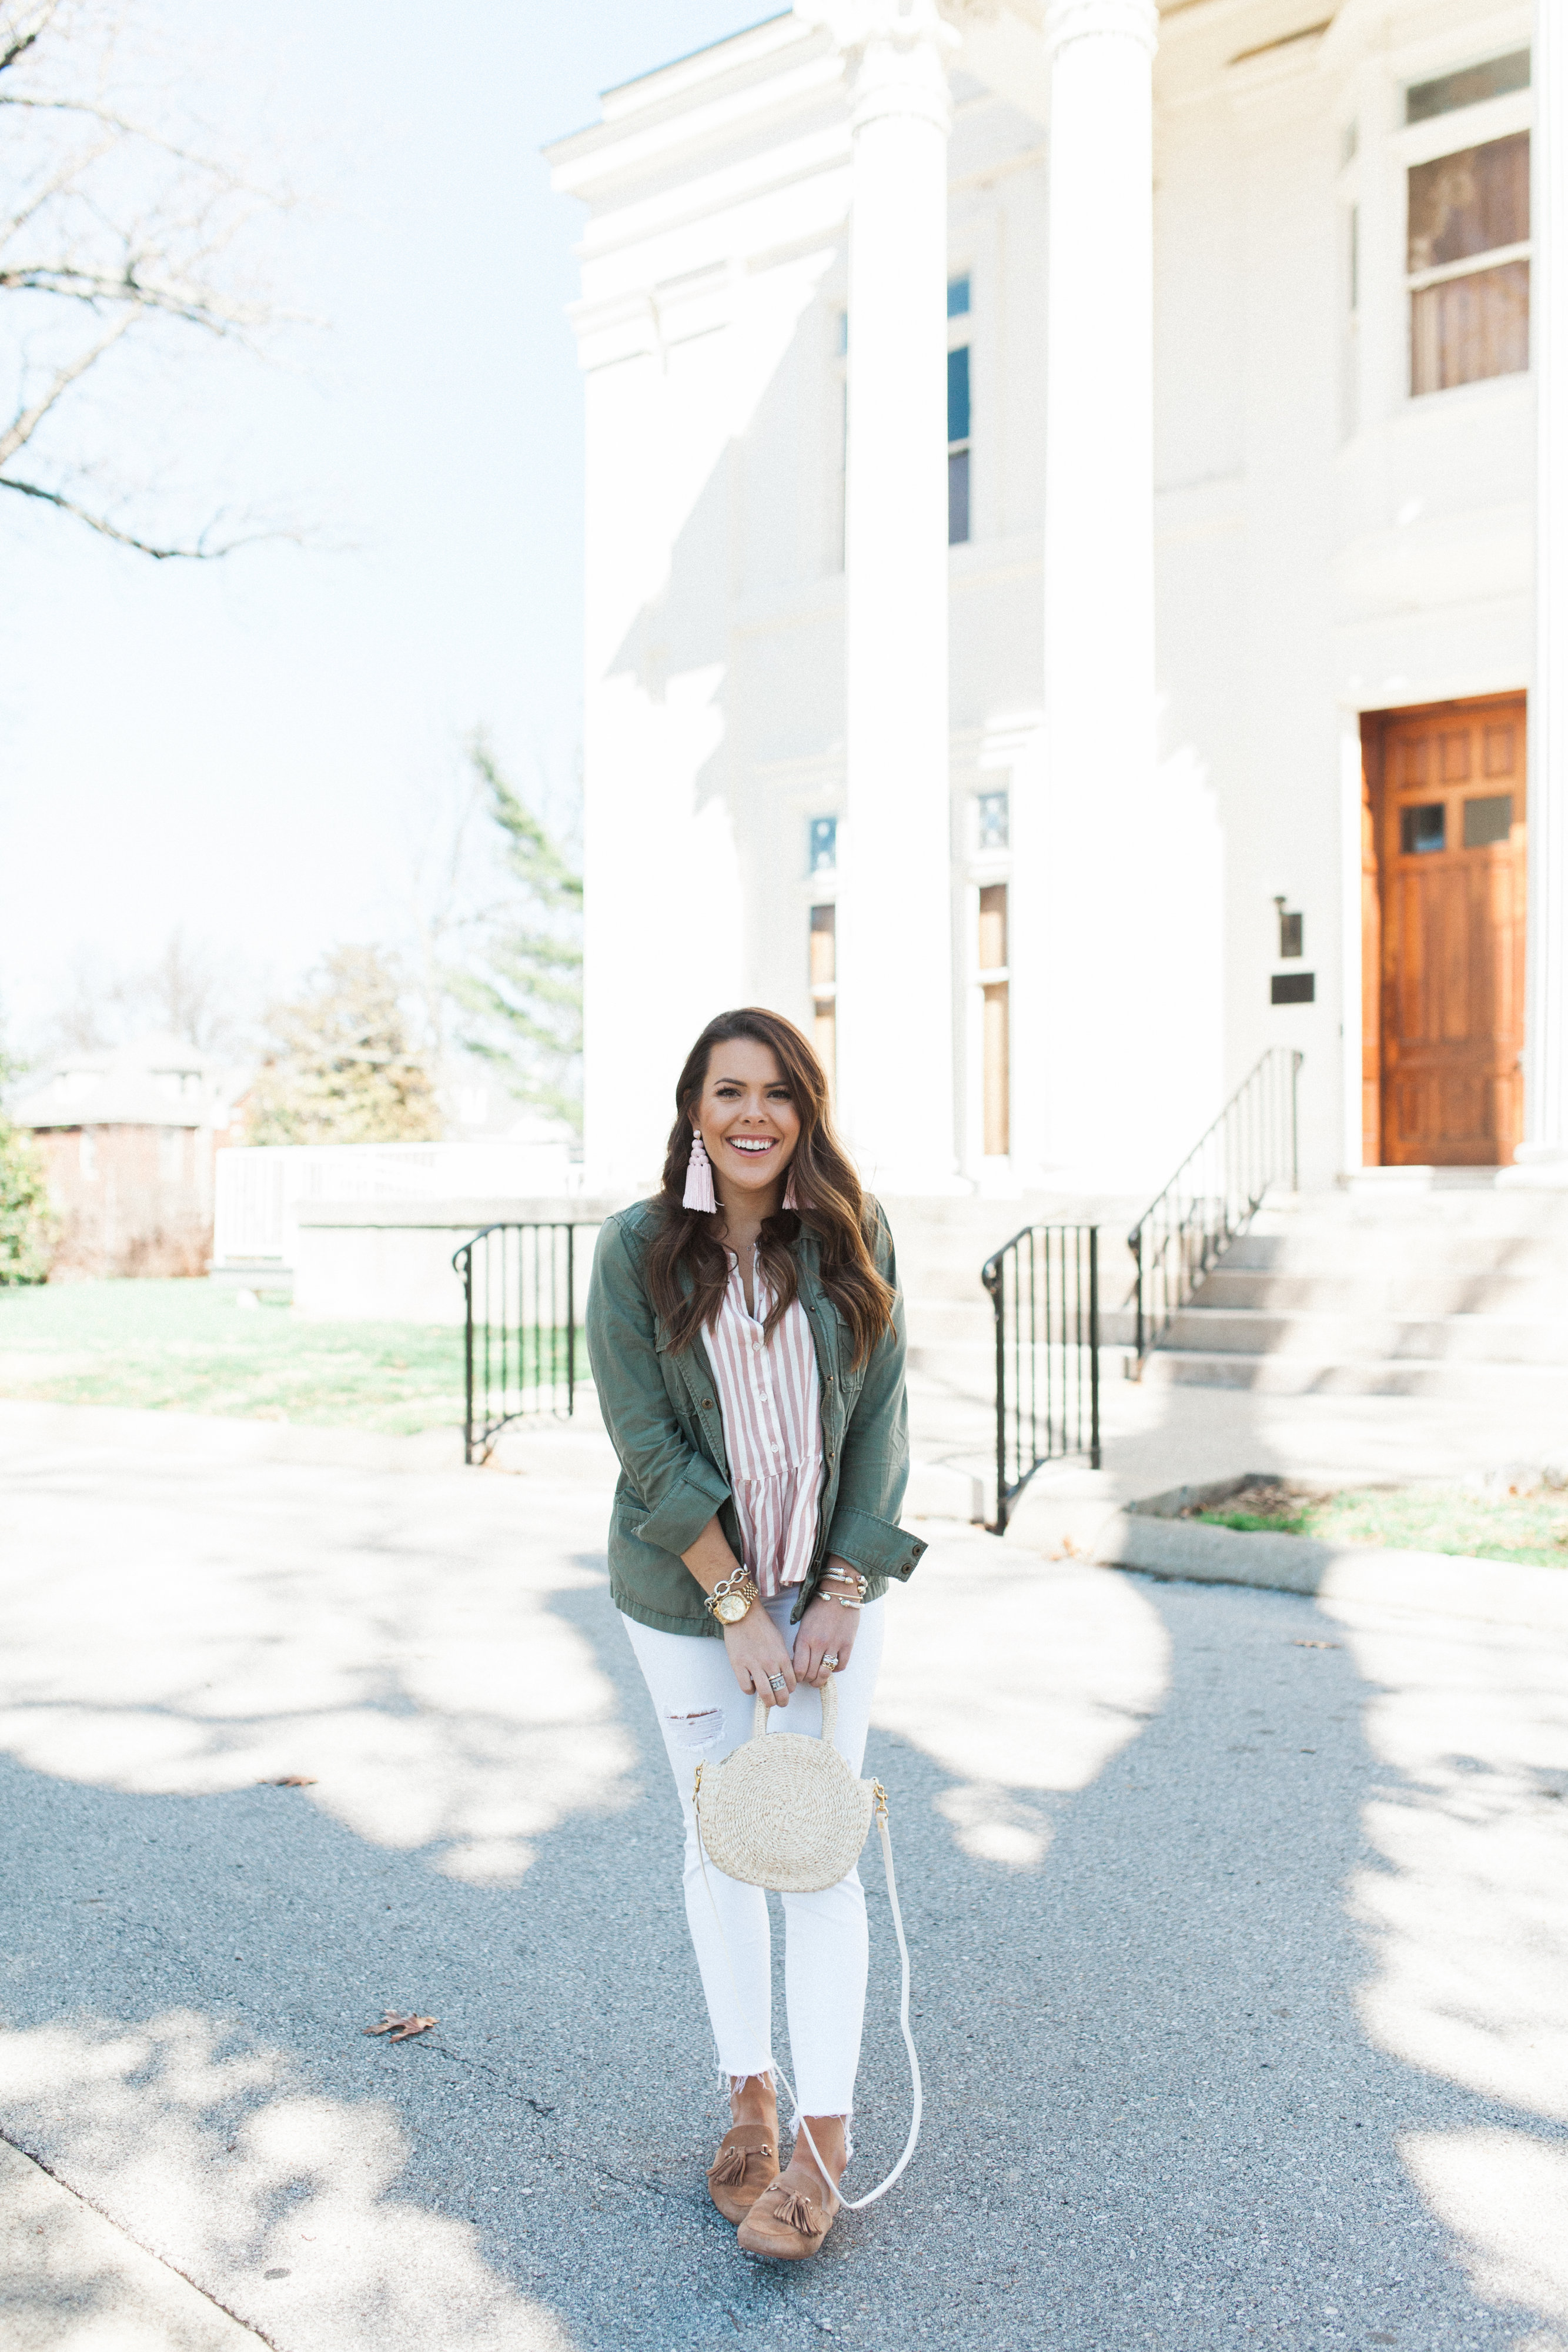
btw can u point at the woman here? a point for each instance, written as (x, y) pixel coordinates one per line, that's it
(746, 1338)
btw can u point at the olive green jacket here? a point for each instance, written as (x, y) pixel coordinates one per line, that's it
(661, 1410)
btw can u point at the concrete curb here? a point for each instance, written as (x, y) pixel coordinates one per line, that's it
(1151, 1537)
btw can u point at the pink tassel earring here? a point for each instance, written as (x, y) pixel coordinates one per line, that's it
(699, 1192)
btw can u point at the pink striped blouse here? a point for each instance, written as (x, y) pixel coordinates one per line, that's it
(770, 1398)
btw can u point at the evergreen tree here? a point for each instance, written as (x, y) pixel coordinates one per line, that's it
(340, 1069)
(524, 1004)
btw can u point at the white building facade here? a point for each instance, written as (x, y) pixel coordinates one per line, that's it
(1076, 588)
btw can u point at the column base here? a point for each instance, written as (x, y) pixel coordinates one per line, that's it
(1537, 1168)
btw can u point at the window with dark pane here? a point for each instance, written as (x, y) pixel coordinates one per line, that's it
(1489, 821)
(958, 444)
(824, 844)
(1423, 828)
(1469, 320)
(1468, 203)
(824, 974)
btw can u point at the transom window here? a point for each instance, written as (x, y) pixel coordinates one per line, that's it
(1471, 86)
(991, 826)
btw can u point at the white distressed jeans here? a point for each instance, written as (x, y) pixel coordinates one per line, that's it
(703, 1714)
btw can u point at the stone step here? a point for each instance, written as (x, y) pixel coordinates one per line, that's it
(1482, 1213)
(1320, 1251)
(1528, 1298)
(1306, 1376)
(966, 1375)
(1358, 1337)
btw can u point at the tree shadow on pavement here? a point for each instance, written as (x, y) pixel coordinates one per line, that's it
(1156, 2114)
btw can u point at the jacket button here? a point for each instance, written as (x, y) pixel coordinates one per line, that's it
(708, 1404)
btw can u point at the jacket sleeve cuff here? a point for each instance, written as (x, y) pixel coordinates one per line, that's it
(686, 1509)
(876, 1547)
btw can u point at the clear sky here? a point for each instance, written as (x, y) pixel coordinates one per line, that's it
(250, 748)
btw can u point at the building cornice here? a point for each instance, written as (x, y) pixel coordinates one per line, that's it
(592, 162)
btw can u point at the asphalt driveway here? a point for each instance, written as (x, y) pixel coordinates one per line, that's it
(1240, 1937)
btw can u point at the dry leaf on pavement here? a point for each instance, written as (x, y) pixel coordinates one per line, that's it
(401, 2029)
(291, 1780)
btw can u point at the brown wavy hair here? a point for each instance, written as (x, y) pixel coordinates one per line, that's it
(832, 1205)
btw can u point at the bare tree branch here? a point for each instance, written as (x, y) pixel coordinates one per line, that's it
(26, 423)
(96, 286)
(113, 230)
(204, 549)
(127, 127)
(17, 40)
(70, 171)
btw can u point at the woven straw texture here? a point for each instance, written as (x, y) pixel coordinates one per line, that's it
(784, 1810)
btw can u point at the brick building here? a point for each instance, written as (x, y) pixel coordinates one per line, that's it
(128, 1139)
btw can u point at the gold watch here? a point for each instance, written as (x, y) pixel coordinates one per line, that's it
(729, 1600)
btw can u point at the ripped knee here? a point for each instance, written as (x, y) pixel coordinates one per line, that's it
(700, 1729)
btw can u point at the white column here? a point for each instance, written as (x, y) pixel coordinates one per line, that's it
(1545, 1147)
(895, 983)
(1079, 1098)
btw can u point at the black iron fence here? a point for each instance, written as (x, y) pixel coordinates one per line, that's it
(1217, 1190)
(522, 1340)
(1045, 1297)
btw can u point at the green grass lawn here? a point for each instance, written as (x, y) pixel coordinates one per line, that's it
(1531, 1528)
(187, 1346)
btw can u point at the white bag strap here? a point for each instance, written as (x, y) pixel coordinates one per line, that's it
(830, 1698)
(852, 2203)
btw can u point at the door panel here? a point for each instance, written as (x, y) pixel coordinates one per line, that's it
(1450, 870)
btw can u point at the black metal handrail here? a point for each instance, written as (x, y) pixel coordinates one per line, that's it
(1045, 1298)
(1216, 1192)
(521, 1344)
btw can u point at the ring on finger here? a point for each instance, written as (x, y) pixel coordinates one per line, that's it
(775, 1682)
(832, 1660)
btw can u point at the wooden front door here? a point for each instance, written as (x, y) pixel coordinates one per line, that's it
(1446, 935)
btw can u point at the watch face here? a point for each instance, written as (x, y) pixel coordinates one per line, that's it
(731, 1609)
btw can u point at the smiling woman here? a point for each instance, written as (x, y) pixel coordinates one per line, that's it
(747, 1336)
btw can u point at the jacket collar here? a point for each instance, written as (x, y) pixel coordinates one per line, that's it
(821, 1313)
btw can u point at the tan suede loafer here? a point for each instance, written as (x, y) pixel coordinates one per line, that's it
(786, 2226)
(747, 2164)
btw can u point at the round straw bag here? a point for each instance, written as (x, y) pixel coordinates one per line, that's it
(785, 1811)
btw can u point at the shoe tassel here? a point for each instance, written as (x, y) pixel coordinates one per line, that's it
(729, 2166)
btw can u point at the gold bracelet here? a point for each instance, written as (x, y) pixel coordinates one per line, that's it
(731, 1598)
